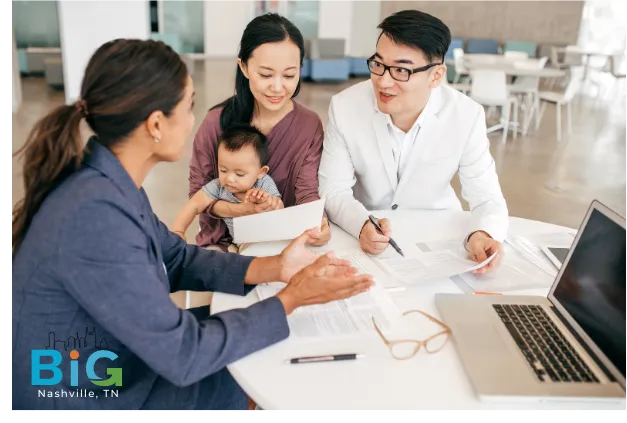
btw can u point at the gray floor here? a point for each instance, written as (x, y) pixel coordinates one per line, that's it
(588, 164)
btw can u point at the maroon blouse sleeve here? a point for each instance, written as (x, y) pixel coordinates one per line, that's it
(201, 171)
(201, 165)
(307, 179)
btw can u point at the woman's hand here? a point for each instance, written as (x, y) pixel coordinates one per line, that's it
(319, 237)
(327, 279)
(295, 257)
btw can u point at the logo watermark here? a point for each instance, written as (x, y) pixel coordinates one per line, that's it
(50, 374)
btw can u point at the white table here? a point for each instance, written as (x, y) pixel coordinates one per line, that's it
(378, 381)
(511, 66)
(511, 70)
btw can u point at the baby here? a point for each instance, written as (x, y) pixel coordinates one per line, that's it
(242, 177)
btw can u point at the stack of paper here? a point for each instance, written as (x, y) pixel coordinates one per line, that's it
(515, 271)
(350, 316)
(430, 266)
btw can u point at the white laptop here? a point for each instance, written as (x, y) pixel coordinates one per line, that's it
(569, 345)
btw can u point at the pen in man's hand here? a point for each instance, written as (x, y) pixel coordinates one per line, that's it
(323, 358)
(393, 243)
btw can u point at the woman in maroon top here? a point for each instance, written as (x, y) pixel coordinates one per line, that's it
(268, 78)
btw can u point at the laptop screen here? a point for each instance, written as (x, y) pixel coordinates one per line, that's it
(592, 286)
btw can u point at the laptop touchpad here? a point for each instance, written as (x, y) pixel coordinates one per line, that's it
(484, 338)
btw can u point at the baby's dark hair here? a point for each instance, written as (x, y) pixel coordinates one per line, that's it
(238, 136)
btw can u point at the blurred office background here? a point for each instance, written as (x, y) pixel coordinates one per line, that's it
(540, 58)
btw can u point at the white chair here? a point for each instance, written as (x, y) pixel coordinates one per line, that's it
(464, 88)
(460, 69)
(617, 66)
(569, 58)
(562, 99)
(516, 55)
(572, 57)
(489, 88)
(527, 88)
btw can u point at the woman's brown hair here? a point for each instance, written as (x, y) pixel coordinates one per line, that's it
(124, 83)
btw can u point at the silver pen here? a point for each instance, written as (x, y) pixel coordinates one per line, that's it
(324, 358)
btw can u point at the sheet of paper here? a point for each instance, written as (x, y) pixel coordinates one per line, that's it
(515, 273)
(364, 263)
(351, 316)
(530, 247)
(430, 266)
(278, 225)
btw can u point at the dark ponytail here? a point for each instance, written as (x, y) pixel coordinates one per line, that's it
(124, 83)
(268, 28)
(52, 150)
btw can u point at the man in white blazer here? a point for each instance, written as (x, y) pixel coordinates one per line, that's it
(396, 141)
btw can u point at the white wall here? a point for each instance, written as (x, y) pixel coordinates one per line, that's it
(13, 101)
(85, 26)
(364, 32)
(224, 24)
(334, 21)
(14, 79)
(355, 21)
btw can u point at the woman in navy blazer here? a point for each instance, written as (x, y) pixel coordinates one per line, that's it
(93, 266)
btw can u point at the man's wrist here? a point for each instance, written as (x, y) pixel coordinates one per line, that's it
(363, 226)
(467, 239)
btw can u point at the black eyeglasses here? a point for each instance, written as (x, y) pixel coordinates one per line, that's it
(396, 72)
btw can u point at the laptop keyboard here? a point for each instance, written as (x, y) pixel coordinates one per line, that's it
(548, 353)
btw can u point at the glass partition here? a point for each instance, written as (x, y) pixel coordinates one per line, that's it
(304, 14)
(36, 24)
(184, 20)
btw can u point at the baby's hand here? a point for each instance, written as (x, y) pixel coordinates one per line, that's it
(256, 195)
(272, 203)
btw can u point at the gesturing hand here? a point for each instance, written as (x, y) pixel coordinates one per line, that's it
(327, 279)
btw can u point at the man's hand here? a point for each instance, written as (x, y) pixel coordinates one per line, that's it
(371, 241)
(319, 237)
(480, 247)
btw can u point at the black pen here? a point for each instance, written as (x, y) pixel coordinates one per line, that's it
(323, 358)
(394, 245)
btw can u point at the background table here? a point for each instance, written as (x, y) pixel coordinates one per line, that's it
(378, 381)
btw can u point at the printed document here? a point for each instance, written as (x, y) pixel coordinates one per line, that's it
(515, 271)
(351, 316)
(442, 261)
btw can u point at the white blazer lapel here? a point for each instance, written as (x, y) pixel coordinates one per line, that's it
(385, 147)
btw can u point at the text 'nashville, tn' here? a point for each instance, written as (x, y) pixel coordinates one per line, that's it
(77, 393)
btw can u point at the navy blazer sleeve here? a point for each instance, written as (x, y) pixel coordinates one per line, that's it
(109, 271)
(192, 268)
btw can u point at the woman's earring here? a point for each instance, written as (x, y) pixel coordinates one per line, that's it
(157, 139)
